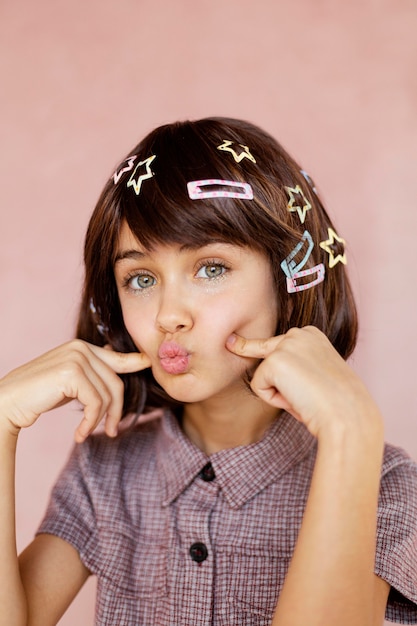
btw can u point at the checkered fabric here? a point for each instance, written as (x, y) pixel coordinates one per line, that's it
(174, 546)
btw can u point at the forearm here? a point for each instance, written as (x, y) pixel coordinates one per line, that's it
(330, 579)
(12, 597)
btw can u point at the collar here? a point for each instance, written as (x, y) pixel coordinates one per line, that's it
(241, 472)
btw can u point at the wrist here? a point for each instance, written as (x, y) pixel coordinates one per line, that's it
(352, 457)
(366, 430)
(8, 432)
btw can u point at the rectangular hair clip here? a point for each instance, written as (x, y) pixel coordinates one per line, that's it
(223, 189)
(293, 287)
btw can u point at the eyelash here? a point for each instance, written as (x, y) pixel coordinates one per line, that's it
(213, 263)
(206, 263)
(131, 276)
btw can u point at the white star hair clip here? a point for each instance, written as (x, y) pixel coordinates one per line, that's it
(136, 181)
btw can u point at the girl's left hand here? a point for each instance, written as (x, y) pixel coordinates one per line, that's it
(302, 373)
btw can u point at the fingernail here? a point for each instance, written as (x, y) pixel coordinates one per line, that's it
(231, 340)
(78, 437)
(112, 431)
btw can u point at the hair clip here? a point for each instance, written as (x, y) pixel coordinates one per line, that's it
(294, 287)
(196, 193)
(102, 328)
(119, 173)
(289, 266)
(136, 181)
(237, 157)
(309, 180)
(327, 246)
(301, 208)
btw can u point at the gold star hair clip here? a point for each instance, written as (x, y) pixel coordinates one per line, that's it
(244, 154)
(334, 257)
(296, 195)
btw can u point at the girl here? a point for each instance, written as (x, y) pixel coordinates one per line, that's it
(216, 302)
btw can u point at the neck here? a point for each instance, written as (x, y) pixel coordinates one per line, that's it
(215, 425)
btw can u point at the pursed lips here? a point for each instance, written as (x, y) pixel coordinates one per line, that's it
(174, 358)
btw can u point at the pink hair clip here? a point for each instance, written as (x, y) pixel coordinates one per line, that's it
(222, 189)
(129, 166)
(293, 287)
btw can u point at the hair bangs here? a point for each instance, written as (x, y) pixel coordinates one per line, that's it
(164, 212)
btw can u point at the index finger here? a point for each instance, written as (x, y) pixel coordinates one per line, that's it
(253, 348)
(122, 362)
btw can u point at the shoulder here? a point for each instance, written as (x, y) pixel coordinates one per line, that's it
(395, 456)
(398, 477)
(397, 510)
(396, 553)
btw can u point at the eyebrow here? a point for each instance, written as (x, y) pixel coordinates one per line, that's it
(129, 254)
(138, 254)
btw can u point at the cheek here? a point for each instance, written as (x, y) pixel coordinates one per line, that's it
(250, 322)
(219, 322)
(255, 321)
(138, 331)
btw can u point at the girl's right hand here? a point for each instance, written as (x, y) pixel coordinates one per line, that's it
(74, 370)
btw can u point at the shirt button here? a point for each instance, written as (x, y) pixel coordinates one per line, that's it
(198, 552)
(207, 473)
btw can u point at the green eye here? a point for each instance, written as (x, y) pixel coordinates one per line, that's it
(212, 270)
(141, 281)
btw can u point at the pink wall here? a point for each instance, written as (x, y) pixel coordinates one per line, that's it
(335, 81)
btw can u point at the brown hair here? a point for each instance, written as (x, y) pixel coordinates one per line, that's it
(164, 213)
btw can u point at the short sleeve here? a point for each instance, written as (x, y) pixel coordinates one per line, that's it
(70, 513)
(396, 554)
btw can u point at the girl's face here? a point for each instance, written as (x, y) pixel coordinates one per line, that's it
(180, 305)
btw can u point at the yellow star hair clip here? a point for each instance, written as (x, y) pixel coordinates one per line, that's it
(327, 246)
(245, 154)
(136, 181)
(303, 206)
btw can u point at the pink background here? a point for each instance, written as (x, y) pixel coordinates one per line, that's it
(81, 82)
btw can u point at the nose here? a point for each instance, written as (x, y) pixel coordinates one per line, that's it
(174, 313)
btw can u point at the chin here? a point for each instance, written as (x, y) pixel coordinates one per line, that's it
(184, 396)
(176, 387)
